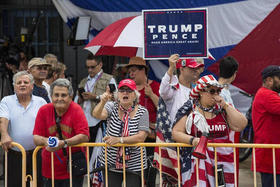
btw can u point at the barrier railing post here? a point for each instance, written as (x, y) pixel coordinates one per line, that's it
(216, 165)
(6, 169)
(160, 167)
(70, 165)
(88, 181)
(34, 165)
(197, 171)
(274, 166)
(235, 167)
(52, 166)
(142, 167)
(106, 166)
(124, 174)
(254, 164)
(179, 167)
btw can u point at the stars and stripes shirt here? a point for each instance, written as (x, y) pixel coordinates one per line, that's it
(139, 122)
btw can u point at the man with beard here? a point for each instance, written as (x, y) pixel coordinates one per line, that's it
(38, 67)
(266, 120)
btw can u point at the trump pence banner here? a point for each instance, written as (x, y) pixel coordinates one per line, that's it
(175, 31)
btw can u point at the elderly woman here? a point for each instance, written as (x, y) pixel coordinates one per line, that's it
(127, 122)
(207, 112)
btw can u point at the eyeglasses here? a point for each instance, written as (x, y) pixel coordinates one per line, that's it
(42, 67)
(125, 90)
(213, 91)
(91, 67)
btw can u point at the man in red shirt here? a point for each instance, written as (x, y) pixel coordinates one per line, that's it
(266, 120)
(74, 130)
(149, 95)
(148, 89)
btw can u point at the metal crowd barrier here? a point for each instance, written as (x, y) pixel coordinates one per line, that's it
(141, 145)
(23, 161)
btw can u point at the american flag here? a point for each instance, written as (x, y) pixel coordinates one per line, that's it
(164, 134)
(206, 170)
(206, 167)
(97, 180)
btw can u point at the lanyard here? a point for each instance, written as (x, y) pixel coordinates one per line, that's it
(89, 88)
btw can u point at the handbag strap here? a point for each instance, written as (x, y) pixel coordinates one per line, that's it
(57, 121)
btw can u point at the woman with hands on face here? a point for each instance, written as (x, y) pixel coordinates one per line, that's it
(207, 112)
(128, 123)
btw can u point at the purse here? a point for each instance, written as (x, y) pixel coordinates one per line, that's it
(79, 162)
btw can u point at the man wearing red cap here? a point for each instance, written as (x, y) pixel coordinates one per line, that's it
(175, 90)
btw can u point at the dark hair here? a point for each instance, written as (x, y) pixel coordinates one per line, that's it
(98, 59)
(140, 68)
(56, 67)
(228, 66)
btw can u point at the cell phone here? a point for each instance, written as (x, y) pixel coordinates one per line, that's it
(81, 90)
(112, 87)
(221, 176)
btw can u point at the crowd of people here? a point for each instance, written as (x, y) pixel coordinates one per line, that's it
(44, 105)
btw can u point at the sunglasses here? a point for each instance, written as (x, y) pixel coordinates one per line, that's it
(42, 67)
(91, 67)
(125, 90)
(213, 91)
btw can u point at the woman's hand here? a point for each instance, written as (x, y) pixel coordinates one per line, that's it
(220, 101)
(106, 96)
(195, 141)
(111, 140)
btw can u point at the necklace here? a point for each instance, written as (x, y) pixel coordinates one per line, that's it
(210, 109)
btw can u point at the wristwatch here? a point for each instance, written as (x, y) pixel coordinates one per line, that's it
(121, 140)
(97, 97)
(65, 144)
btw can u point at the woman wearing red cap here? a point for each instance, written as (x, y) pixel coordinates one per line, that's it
(207, 112)
(128, 123)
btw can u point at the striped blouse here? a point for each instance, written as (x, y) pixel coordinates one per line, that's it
(140, 122)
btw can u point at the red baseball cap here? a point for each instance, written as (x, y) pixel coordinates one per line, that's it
(129, 83)
(190, 62)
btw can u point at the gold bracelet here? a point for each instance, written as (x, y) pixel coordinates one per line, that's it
(225, 106)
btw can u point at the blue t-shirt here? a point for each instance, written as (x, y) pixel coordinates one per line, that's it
(41, 92)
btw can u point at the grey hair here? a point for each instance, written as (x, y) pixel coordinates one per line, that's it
(136, 101)
(49, 55)
(62, 83)
(22, 73)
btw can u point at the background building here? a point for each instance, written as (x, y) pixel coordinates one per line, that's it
(36, 28)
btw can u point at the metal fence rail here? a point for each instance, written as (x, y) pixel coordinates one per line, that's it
(23, 161)
(141, 145)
